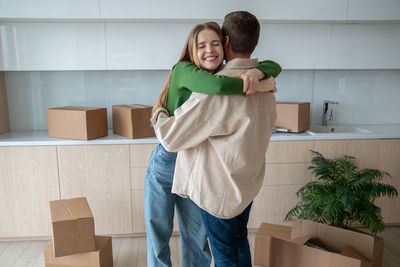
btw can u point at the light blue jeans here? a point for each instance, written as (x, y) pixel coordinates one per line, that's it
(159, 204)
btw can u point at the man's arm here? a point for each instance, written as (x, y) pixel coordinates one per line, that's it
(188, 128)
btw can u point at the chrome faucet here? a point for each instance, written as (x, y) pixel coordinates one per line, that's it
(327, 114)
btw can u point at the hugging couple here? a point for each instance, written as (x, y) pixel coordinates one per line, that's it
(214, 123)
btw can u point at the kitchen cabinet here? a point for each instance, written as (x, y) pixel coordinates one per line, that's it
(309, 10)
(153, 9)
(28, 181)
(140, 155)
(136, 45)
(112, 178)
(52, 46)
(329, 10)
(286, 172)
(295, 46)
(373, 10)
(353, 48)
(102, 174)
(365, 151)
(144, 45)
(389, 159)
(49, 9)
(4, 121)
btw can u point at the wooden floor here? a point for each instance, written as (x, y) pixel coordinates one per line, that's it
(131, 252)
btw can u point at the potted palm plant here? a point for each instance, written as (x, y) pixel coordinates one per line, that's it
(342, 194)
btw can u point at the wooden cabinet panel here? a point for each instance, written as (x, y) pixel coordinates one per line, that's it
(28, 182)
(138, 177)
(140, 154)
(289, 151)
(284, 174)
(366, 151)
(389, 161)
(272, 204)
(102, 174)
(138, 225)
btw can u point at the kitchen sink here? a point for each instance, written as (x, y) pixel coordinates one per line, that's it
(336, 129)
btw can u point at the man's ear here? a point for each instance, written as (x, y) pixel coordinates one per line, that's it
(227, 42)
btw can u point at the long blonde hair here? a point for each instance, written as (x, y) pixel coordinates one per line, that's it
(189, 54)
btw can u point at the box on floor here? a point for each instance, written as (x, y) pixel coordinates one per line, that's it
(82, 123)
(282, 246)
(132, 121)
(101, 257)
(73, 226)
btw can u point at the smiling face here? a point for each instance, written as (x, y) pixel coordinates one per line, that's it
(210, 52)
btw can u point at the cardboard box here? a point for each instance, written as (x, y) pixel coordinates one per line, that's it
(101, 257)
(132, 121)
(4, 120)
(84, 123)
(73, 226)
(294, 116)
(277, 245)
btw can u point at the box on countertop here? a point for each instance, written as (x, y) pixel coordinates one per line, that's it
(132, 121)
(73, 226)
(294, 116)
(83, 123)
(101, 257)
(277, 245)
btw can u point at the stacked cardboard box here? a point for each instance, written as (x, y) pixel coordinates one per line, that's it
(74, 242)
(282, 246)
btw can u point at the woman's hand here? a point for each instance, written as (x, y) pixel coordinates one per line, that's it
(251, 83)
(267, 85)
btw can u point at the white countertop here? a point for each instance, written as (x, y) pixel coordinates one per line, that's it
(41, 138)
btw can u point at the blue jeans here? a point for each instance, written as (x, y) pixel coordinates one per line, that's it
(159, 204)
(228, 239)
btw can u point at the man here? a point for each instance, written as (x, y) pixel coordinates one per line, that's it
(222, 142)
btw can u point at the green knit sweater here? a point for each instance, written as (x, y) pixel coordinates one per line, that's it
(187, 78)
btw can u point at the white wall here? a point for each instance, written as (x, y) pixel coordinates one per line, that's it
(365, 96)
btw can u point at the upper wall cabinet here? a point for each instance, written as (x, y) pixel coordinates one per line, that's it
(308, 10)
(52, 46)
(374, 10)
(49, 9)
(155, 9)
(293, 9)
(295, 46)
(365, 46)
(145, 45)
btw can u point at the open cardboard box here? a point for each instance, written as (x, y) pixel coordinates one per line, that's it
(101, 257)
(281, 246)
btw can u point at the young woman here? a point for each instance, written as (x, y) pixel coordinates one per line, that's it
(202, 55)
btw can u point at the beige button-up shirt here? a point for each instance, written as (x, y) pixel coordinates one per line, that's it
(222, 142)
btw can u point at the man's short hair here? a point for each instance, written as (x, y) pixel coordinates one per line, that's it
(243, 30)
